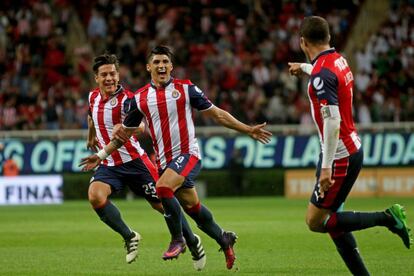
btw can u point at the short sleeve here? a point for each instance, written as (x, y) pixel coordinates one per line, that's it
(134, 116)
(325, 85)
(198, 99)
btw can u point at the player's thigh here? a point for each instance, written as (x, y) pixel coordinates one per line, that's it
(188, 197)
(345, 172)
(109, 176)
(140, 180)
(170, 179)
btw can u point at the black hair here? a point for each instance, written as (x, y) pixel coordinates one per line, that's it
(161, 50)
(315, 30)
(105, 59)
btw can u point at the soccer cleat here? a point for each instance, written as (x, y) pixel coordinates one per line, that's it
(198, 254)
(176, 248)
(132, 247)
(228, 241)
(400, 228)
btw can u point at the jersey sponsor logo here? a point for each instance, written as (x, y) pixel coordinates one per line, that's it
(175, 94)
(318, 83)
(113, 102)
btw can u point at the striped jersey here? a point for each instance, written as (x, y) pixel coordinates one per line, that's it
(168, 114)
(107, 113)
(331, 83)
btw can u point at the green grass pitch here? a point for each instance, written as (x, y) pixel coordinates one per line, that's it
(69, 239)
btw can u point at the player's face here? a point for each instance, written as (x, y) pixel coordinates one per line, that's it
(107, 78)
(160, 68)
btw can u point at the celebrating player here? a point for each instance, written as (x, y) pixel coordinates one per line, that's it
(166, 104)
(127, 166)
(330, 95)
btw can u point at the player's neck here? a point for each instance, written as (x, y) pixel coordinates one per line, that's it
(316, 50)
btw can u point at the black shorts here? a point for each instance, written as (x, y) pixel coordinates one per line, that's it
(345, 171)
(134, 174)
(187, 165)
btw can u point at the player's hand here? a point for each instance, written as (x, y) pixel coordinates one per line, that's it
(260, 134)
(325, 181)
(119, 133)
(294, 69)
(92, 145)
(90, 162)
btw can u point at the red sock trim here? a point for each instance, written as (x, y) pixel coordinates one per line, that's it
(195, 209)
(331, 223)
(335, 234)
(165, 192)
(101, 206)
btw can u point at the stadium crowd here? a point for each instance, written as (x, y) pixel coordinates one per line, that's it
(236, 51)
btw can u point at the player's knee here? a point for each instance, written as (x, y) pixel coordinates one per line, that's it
(191, 208)
(96, 198)
(314, 224)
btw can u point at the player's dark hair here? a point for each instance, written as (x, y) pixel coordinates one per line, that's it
(160, 50)
(105, 59)
(315, 30)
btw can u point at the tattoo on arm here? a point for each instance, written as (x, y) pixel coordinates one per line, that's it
(116, 142)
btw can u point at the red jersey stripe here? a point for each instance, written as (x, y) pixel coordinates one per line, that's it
(143, 95)
(182, 120)
(165, 123)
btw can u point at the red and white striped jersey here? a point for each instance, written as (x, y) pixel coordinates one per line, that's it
(168, 113)
(331, 83)
(107, 113)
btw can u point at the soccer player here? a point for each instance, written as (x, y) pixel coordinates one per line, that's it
(330, 94)
(127, 166)
(166, 103)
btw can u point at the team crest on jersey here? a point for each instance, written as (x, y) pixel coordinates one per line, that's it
(318, 83)
(175, 94)
(113, 102)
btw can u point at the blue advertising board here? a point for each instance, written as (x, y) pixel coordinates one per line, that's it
(380, 149)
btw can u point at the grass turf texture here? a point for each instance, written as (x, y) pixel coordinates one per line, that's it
(69, 239)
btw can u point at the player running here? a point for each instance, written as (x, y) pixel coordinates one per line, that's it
(330, 94)
(166, 104)
(127, 166)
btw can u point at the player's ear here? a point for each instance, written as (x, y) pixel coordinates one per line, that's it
(148, 67)
(96, 78)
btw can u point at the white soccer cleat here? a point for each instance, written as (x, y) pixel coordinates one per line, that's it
(198, 254)
(132, 247)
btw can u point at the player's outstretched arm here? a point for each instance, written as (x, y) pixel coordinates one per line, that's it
(92, 143)
(224, 118)
(120, 136)
(298, 69)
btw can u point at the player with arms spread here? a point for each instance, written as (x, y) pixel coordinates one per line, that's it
(166, 104)
(128, 166)
(330, 94)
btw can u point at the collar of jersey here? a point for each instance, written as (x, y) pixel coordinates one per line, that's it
(329, 51)
(165, 85)
(118, 90)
